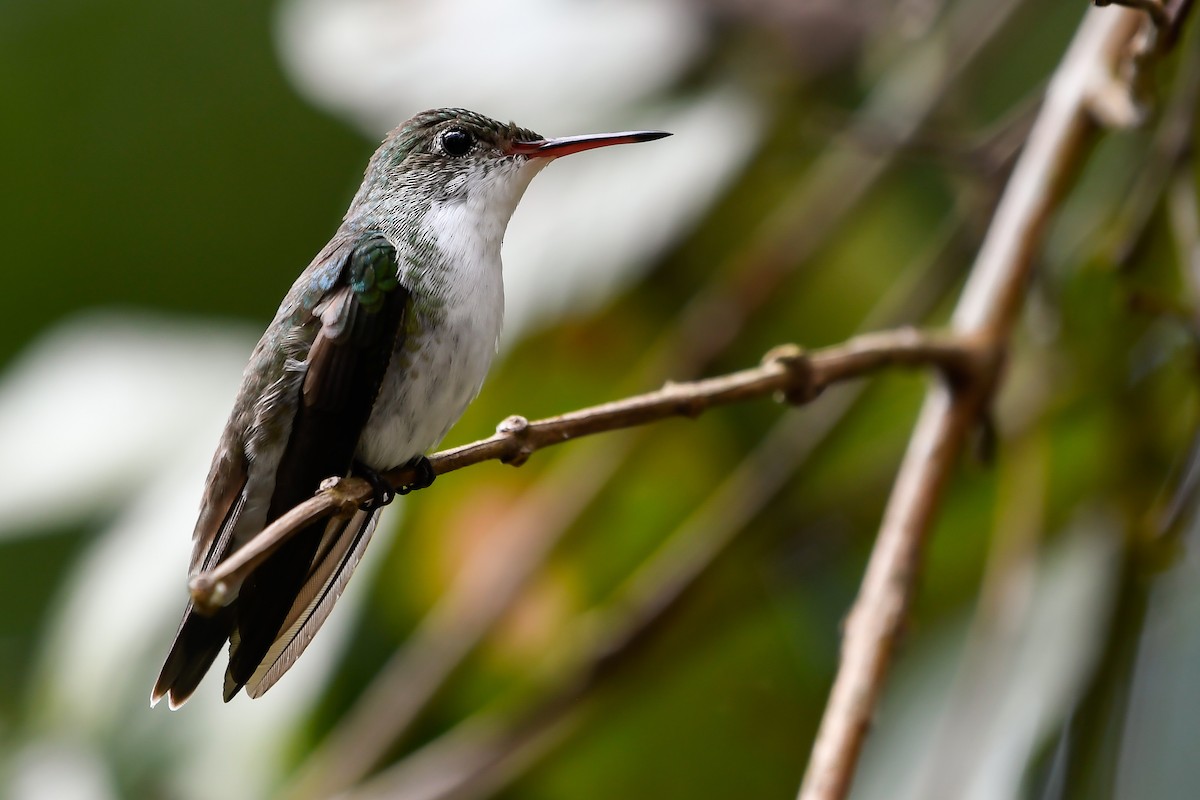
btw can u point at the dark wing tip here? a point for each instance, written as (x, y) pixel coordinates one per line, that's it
(232, 686)
(175, 699)
(196, 646)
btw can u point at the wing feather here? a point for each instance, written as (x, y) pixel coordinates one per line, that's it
(333, 338)
(361, 323)
(347, 541)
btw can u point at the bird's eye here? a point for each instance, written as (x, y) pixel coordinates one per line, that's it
(456, 142)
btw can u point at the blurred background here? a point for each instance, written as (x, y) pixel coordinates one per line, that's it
(654, 613)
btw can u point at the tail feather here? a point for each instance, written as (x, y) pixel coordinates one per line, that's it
(323, 588)
(196, 646)
(340, 551)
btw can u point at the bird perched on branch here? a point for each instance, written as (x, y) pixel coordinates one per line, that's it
(375, 352)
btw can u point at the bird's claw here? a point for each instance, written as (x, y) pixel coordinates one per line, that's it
(382, 492)
(424, 478)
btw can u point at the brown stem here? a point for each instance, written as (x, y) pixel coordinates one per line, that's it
(798, 377)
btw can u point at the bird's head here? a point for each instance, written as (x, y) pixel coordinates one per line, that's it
(451, 155)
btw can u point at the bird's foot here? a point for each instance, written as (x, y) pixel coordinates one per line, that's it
(382, 492)
(425, 475)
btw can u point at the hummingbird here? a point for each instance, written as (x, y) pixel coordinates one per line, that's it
(374, 353)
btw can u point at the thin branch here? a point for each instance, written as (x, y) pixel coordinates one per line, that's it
(797, 376)
(988, 308)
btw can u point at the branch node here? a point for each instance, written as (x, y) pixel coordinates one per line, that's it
(1113, 103)
(346, 493)
(516, 430)
(208, 595)
(684, 403)
(980, 367)
(802, 387)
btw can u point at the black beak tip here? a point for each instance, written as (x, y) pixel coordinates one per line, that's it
(650, 136)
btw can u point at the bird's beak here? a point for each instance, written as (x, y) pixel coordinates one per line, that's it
(566, 145)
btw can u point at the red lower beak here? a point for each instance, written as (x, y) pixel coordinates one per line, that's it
(566, 145)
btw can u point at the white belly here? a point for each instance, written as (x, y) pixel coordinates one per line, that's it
(439, 368)
(426, 390)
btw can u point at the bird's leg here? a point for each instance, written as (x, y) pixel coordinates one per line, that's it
(382, 491)
(425, 475)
